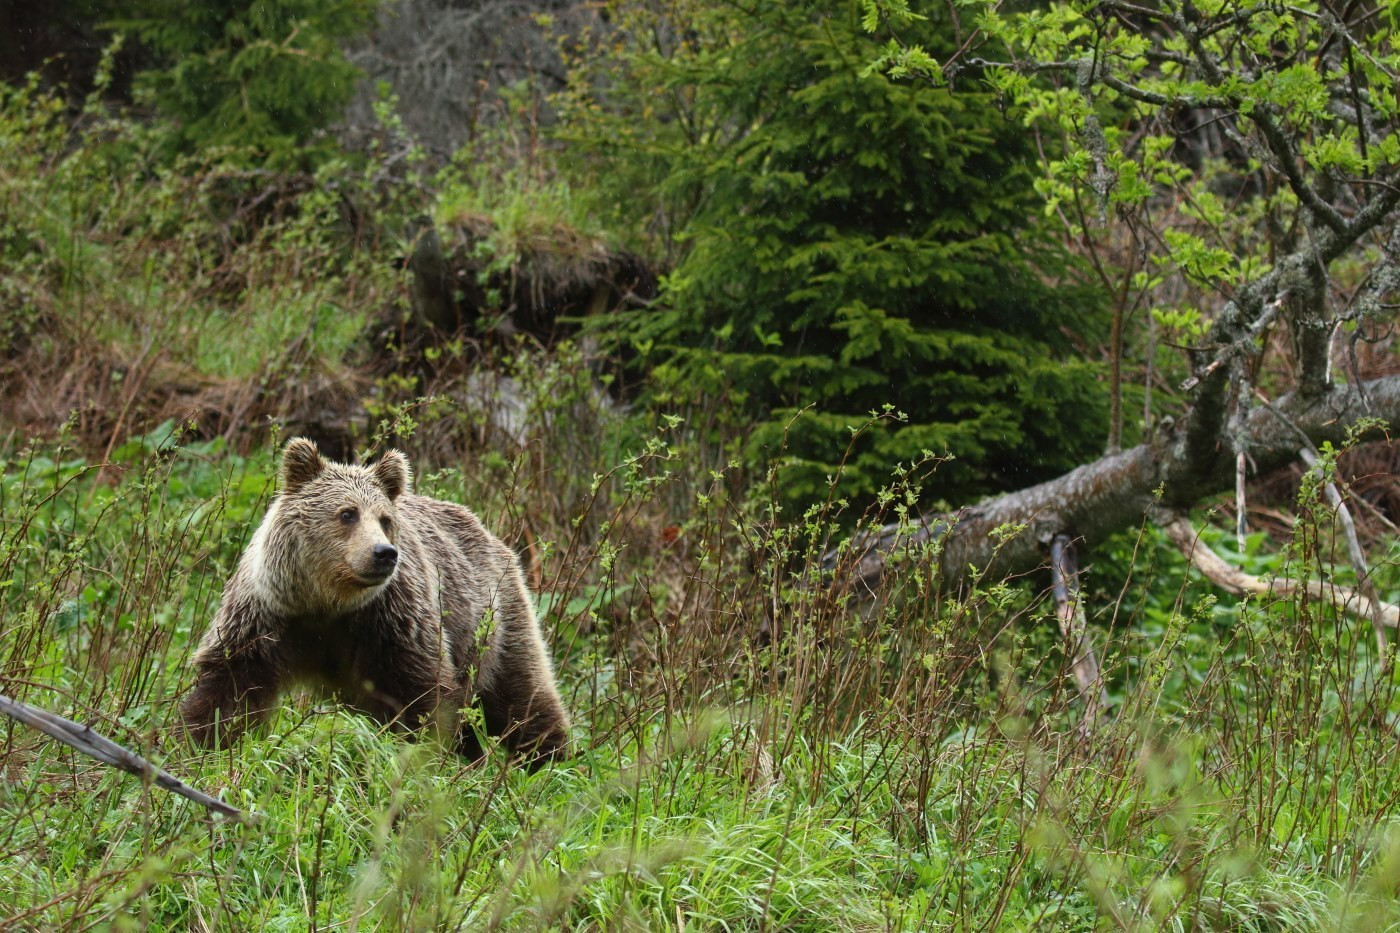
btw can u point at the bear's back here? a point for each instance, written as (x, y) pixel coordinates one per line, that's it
(458, 527)
(450, 550)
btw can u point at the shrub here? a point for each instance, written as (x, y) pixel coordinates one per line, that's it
(260, 76)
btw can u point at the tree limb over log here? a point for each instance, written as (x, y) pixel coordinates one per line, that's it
(1115, 492)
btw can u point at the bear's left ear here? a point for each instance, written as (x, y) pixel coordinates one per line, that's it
(392, 472)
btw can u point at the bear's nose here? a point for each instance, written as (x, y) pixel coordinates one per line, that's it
(385, 555)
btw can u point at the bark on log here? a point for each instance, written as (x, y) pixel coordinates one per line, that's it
(1116, 492)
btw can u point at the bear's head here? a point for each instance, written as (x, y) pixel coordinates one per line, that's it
(328, 543)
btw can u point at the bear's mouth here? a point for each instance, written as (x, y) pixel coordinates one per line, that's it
(370, 578)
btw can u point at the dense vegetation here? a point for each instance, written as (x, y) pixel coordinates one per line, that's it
(915, 770)
(758, 746)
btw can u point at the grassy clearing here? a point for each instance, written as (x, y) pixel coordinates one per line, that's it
(909, 768)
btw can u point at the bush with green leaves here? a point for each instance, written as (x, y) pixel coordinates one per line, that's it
(262, 77)
(842, 242)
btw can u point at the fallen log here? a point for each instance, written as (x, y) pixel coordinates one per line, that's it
(1112, 493)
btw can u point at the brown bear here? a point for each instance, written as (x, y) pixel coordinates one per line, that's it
(405, 606)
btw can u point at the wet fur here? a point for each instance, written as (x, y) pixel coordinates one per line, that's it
(451, 626)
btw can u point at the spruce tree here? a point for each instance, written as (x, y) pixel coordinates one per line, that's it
(844, 243)
(259, 76)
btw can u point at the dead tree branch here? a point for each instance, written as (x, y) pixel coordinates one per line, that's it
(76, 735)
(1236, 581)
(1069, 609)
(1112, 493)
(1364, 585)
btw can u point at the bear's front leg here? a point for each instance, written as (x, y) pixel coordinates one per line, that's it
(403, 685)
(231, 692)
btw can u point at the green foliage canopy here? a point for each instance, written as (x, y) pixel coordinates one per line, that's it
(844, 242)
(1248, 155)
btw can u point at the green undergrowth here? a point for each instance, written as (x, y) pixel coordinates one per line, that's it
(917, 766)
(184, 271)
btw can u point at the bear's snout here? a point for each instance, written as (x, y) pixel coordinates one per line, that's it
(385, 557)
(374, 563)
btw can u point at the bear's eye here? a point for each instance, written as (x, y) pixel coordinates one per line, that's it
(386, 523)
(349, 516)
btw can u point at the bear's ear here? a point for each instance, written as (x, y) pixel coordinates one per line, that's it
(301, 463)
(392, 472)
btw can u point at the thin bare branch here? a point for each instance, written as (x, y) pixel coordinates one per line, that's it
(1241, 521)
(1236, 581)
(1356, 555)
(76, 735)
(1239, 345)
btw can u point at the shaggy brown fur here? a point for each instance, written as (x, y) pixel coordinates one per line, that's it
(405, 606)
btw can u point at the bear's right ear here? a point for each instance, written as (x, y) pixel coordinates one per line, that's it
(393, 474)
(301, 463)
